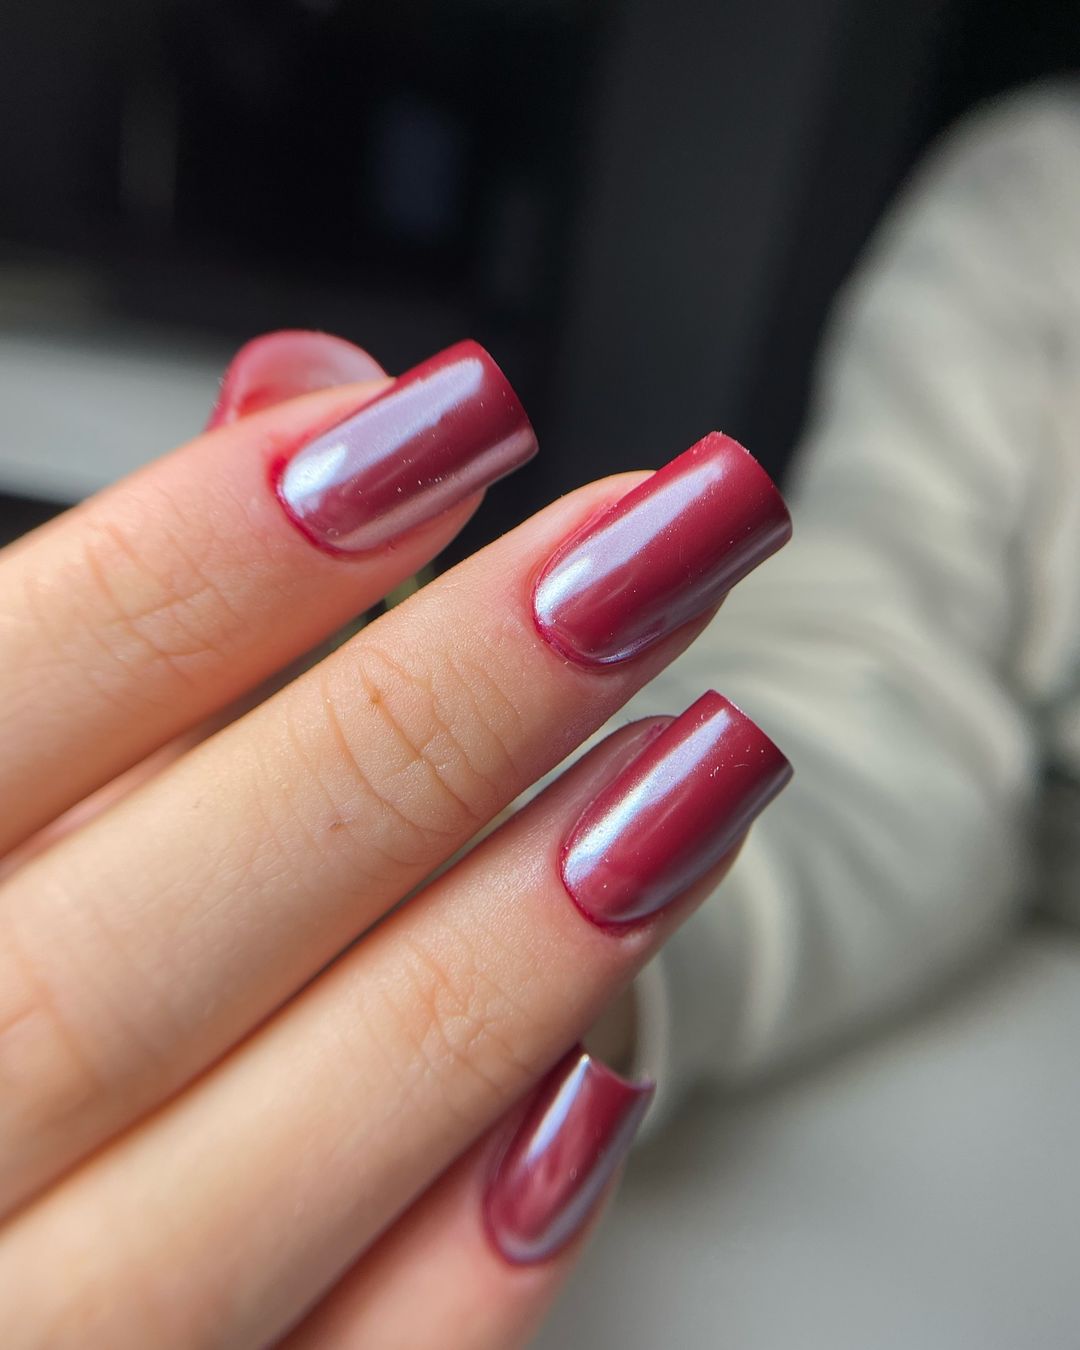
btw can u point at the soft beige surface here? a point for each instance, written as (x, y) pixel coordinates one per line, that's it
(921, 1193)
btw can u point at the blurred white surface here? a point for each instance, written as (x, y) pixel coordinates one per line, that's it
(921, 1193)
(75, 414)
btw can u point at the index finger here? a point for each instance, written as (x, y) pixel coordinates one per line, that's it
(167, 597)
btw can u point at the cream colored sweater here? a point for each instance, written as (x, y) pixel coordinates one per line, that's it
(916, 649)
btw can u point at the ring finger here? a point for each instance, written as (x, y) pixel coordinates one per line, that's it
(236, 1206)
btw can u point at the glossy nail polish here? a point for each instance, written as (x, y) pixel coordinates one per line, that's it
(672, 814)
(575, 1133)
(666, 552)
(282, 365)
(439, 433)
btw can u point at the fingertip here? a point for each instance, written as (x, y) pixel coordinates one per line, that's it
(285, 364)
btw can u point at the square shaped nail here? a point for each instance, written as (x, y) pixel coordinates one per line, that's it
(444, 430)
(672, 814)
(666, 552)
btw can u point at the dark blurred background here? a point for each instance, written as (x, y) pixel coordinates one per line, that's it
(643, 207)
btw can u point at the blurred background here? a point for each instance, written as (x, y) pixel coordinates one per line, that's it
(643, 207)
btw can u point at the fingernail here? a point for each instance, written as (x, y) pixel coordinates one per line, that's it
(575, 1133)
(439, 433)
(665, 553)
(672, 814)
(282, 365)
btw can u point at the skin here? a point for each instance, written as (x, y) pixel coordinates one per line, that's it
(245, 1093)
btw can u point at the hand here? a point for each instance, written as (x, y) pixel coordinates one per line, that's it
(247, 1093)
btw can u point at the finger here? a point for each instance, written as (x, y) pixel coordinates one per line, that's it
(165, 598)
(116, 789)
(93, 806)
(436, 1279)
(272, 1173)
(265, 372)
(279, 366)
(148, 958)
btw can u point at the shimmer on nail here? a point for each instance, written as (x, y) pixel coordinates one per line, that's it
(665, 553)
(438, 434)
(672, 814)
(575, 1133)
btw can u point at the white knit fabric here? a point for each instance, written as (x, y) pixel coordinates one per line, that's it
(916, 649)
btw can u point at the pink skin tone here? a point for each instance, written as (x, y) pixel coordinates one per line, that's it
(440, 433)
(666, 552)
(627, 839)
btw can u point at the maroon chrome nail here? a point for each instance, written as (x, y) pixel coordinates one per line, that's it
(672, 814)
(667, 551)
(439, 433)
(277, 366)
(574, 1135)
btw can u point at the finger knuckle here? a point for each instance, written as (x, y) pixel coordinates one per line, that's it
(423, 739)
(455, 1018)
(161, 612)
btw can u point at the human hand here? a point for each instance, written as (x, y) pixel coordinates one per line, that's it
(248, 1094)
